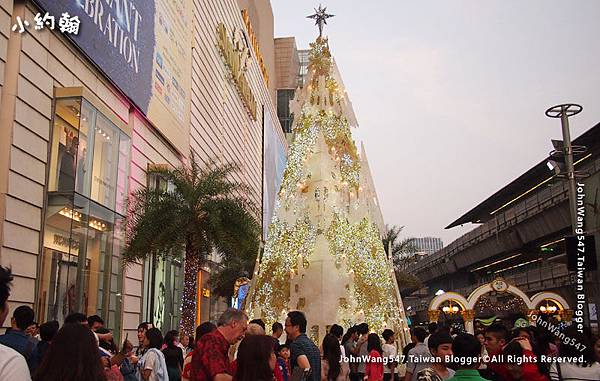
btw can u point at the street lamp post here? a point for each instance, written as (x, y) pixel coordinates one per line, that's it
(564, 111)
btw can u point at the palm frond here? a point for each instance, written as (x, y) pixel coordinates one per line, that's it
(155, 225)
(402, 250)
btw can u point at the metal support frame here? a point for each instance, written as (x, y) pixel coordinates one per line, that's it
(564, 112)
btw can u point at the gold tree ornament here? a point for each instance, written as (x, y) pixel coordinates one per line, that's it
(301, 303)
(305, 263)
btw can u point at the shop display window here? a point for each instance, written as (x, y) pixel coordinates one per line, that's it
(163, 283)
(163, 278)
(106, 157)
(83, 233)
(89, 154)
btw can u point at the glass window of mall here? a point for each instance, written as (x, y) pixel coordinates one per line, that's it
(84, 222)
(286, 118)
(163, 277)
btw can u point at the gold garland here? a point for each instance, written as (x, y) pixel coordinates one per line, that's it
(338, 138)
(296, 171)
(280, 259)
(319, 57)
(360, 246)
(335, 128)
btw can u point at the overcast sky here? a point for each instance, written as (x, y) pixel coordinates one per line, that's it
(450, 95)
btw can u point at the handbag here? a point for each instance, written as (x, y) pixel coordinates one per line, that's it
(299, 374)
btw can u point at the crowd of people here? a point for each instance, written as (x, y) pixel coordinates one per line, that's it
(83, 349)
(240, 350)
(499, 354)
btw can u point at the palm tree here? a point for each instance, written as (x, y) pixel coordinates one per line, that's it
(403, 253)
(203, 210)
(402, 250)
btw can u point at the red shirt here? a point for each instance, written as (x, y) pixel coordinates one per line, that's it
(210, 357)
(374, 368)
(277, 374)
(530, 369)
(498, 367)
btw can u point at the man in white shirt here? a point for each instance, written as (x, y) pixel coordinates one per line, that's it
(390, 371)
(12, 363)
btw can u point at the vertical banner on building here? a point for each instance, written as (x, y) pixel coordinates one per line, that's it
(145, 48)
(275, 159)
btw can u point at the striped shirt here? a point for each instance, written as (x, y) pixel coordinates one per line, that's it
(304, 346)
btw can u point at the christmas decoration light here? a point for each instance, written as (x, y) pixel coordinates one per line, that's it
(360, 247)
(286, 246)
(509, 303)
(325, 209)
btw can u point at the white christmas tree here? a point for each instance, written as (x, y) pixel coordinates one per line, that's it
(324, 255)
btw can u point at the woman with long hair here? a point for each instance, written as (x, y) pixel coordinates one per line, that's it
(173, 356)
(255, 359)
(152, 366)
(332, 367)
(374, 368)
(73, 356)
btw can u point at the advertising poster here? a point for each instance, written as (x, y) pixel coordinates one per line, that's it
(144, 48)
(275, 159)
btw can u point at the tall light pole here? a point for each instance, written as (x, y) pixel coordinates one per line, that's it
(564, 112)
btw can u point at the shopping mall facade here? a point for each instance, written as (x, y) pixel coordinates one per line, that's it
(82, 119)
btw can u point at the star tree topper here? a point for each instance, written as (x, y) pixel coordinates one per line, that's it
(320, 18)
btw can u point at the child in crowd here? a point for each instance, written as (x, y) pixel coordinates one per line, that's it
(283, 361)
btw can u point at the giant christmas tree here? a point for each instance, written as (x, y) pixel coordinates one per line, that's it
(324, 255)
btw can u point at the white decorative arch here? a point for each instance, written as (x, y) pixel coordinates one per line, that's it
(500, 285)
(487, 288)
(447, 296)
(541, 296)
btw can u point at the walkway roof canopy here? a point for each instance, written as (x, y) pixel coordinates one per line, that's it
(538, 173)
